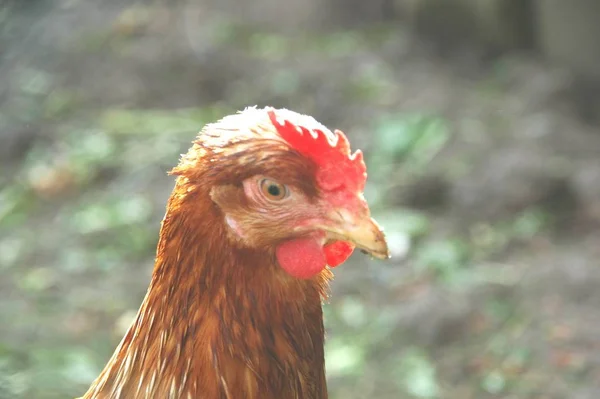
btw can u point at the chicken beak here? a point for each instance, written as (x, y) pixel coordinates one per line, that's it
(362, 231)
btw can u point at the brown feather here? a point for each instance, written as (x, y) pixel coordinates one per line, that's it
(220, 320)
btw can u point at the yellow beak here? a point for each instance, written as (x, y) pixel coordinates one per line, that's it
(364, 232)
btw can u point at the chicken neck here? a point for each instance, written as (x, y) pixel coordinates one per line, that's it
(218, 319)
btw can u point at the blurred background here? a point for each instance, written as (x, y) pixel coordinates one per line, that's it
(480, 123)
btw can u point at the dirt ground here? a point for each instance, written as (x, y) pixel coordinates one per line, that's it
(483, 174)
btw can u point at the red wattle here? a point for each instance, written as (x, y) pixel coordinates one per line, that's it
(337, 252)
(301, 258)
(305, 257)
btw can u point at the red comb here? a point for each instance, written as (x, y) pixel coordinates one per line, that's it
(338, 167)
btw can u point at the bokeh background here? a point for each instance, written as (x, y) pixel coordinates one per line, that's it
(479, 120)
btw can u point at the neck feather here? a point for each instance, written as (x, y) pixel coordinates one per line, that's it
(218, 321)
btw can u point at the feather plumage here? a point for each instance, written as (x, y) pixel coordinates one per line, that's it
(221, 319)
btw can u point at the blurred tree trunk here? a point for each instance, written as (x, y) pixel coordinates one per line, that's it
(356, 13)
(491, 25)
(569, 33)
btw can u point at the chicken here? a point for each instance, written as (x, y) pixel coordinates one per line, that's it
(264, 201)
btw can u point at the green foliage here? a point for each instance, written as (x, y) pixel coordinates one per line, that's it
(369, 84)
(59, 103)
(494, 382)
(268, 46)
(336, 44)
(529, 223)
(411, 141)
(157, 122)
(285, 82)
(418, 376)
(15, 202)
(105, 216)
(343, 358)
(445, 259)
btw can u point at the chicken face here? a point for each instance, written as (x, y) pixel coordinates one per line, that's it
(309, 229)
(307, 233)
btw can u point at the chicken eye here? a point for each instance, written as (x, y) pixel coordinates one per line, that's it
(272, 190)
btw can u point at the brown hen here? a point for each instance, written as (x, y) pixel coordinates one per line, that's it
(264, 201)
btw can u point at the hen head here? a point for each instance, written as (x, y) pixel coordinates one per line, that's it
(285, 183)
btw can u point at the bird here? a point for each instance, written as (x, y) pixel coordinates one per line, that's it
(266, 202)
